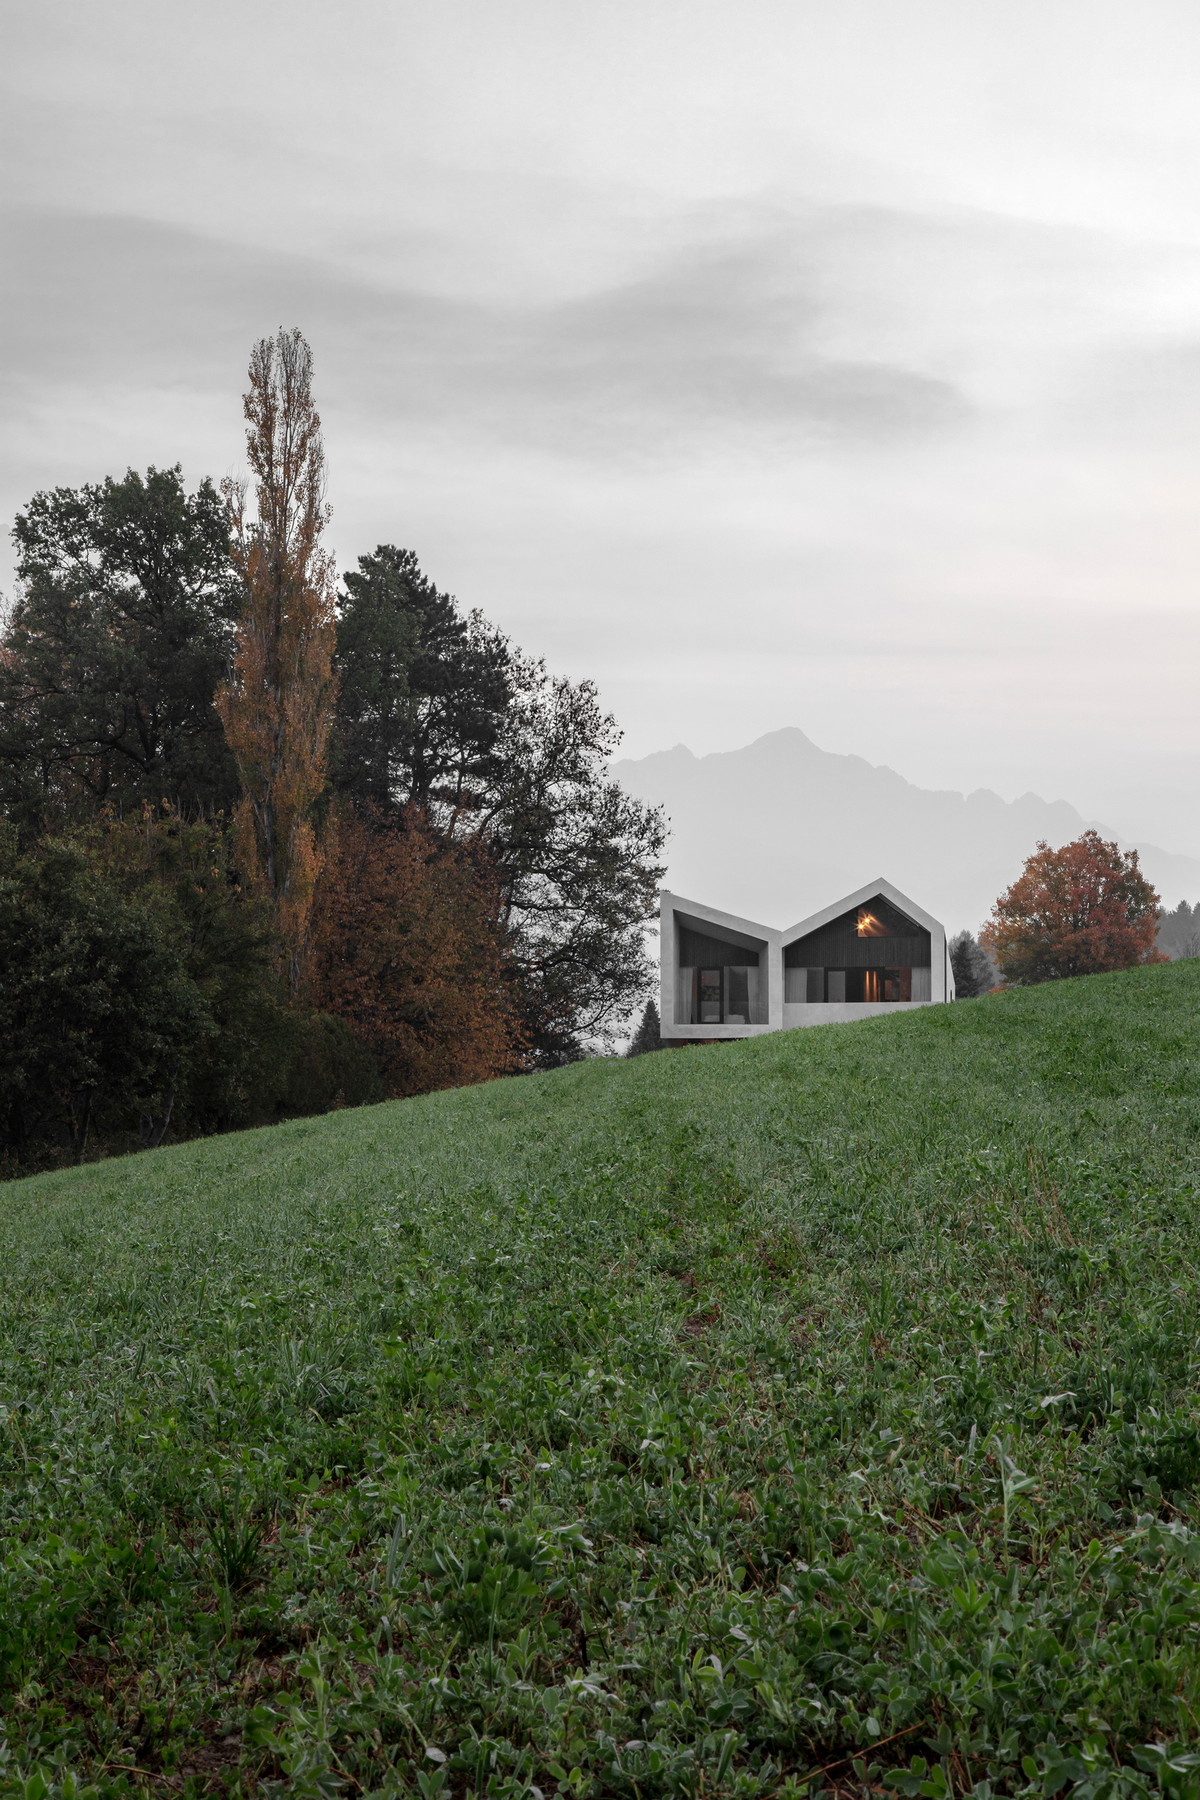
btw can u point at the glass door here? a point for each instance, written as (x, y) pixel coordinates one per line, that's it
(737, 995)
(710, 996)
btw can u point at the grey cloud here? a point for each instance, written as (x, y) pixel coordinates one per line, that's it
(731, 336)
(715, 341)
(92, 300)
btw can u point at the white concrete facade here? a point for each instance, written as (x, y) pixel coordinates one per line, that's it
(753, 980)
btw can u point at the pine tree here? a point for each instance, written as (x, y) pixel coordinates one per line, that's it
(648, 1035)
(278, 707)
(1179, 931)
(974, 971)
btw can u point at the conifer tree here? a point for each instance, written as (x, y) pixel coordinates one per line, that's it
(648, 1035)
(278, 706)
(1179, 931)
(974, 971)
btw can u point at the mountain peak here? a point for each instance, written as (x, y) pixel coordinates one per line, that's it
(779, 828)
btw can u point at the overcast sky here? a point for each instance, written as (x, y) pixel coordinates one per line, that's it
(830, 365)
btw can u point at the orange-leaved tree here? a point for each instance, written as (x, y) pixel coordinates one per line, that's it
(277, 708)
(1080, 910)
(407, 947)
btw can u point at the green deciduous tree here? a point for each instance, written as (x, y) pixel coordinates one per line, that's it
(184, 868)
(578, 859)
(98, 1013)
(265, 1057)
(140, 993)
(122, 628)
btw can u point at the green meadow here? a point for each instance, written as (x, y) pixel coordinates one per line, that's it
(813, 1415)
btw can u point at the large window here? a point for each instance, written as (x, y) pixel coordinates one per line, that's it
(721, 979)
(887, 984)
(708, 992)
(871, 955)
(812, 987)
(737, 993)
(726, 995)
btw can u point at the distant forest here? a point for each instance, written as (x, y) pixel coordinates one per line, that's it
(1179, 931)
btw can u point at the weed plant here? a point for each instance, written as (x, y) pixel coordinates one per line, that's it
(814, 1415)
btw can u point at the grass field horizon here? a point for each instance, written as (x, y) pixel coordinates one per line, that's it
(816, 1414)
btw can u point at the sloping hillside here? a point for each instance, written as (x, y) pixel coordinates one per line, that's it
(780, 828)
(704, 1422)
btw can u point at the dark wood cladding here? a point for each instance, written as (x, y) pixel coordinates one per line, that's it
(846, 950)
(838, 945)
(696, 951)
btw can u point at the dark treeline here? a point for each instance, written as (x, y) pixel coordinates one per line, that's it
(1179, 931)
(246, 874)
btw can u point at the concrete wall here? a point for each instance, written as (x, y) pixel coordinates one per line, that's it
(770, 964)
(781, 1017)
(831, 1013)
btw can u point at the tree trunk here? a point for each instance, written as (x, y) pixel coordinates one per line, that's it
(81, 1121)
(152, 1130)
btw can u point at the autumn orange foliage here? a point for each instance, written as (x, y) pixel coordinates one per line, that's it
(278, 707)
(1081, 910)
(407, 948)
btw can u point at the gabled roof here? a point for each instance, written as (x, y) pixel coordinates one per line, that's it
(873, 889)
(693, 914)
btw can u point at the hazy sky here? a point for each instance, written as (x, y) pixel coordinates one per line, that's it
(831, 365)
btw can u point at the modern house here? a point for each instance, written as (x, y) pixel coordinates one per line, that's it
(874, 951)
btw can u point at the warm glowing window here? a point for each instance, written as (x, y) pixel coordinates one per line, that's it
(887, 984)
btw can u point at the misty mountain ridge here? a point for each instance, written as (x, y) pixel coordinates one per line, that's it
(779, 828)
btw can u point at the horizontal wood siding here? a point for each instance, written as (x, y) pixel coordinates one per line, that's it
(838, 945)
(821, 950)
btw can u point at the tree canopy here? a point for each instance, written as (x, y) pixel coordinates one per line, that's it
(268, 847)
(96, 1003)
(424, 691)
(438, 711)
(138, 993)
(409, 950)
(1080, 910)
(122, 629)
(579, 861)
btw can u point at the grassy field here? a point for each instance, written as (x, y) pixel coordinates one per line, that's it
(813, 1415)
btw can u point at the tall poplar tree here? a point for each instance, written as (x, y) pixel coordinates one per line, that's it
(278, 705)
